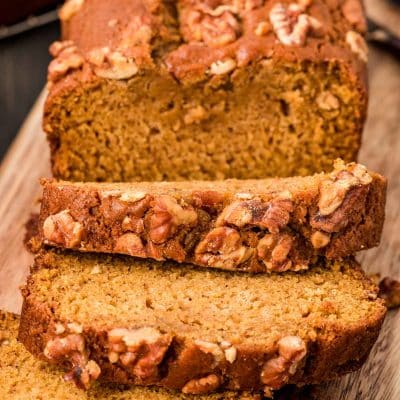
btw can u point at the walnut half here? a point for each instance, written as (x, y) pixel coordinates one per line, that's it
(62, 229)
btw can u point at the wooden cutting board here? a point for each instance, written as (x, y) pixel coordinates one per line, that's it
(379, 379)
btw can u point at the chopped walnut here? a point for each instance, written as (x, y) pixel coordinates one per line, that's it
(357, 45)
(216, 27)
(208, 199)
(117, 66)
(83, 375)
(389, 290)
(230, 354)
(60, 347)
(334, 189)
(222, 67)
(277, 370)
(67, 58)
(72, 348)
(203, 385)
(69, 9)
(327, 101)
(273, 250)
(353, 12)
(166, 216)
(140, 350)
(132, 224)
(63, 230)
(239, 213)
(132, 196)
(131, 244)
(222, 248)
(210, 348)
(291, 26)
(272, 215)
(320, 239)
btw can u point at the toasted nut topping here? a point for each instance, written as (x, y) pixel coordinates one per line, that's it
(320, 239)
(334, 190)
(166, 216)
(210, 348)
(276, 371)
(215, 27)
(291, 26)
(61, 347)
(132, 196)
(222, 67)
(63, 230)
(84, 374)
(389, 290)
(130, 243)
(202, 385)
(222, 248)
(67, 58)
(69, 9)
(327, 101)
(238, 213)
(272, 215)
(274, 250)
(97, 56)
(140, 350)
(230, 354)
(119, 67)
(357, 45)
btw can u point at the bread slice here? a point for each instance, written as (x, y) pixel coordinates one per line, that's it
(22, 377)
(193, 89)
(251, 225)
(128, 320)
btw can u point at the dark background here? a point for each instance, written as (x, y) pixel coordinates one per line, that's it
(23, 65)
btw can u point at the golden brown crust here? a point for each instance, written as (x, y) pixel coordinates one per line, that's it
(254, 226)
(336, 348)
(194, 34)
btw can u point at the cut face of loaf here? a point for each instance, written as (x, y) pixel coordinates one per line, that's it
(135, 321)
(155, 90)
(22, 377)
(252, 225)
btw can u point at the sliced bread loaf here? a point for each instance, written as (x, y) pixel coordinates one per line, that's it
(196, 89)
(252, 225)
(23, 377)
(128, 320)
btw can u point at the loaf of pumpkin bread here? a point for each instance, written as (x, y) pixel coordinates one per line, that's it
(251, 225)
(22, 377)
(126, 320)
(205, 89)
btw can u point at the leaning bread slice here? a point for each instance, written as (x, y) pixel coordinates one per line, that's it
(22, 377)
(255, 226)
(128, 320)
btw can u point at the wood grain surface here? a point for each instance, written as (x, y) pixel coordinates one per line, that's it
(379, 379)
